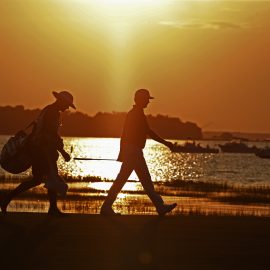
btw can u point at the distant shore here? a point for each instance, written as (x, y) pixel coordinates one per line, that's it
(206, 136)
(35, 241)
(221, 135)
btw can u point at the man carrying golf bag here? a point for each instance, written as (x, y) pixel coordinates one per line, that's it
(44, 143)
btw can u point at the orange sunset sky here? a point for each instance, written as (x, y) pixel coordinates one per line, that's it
(204, 61)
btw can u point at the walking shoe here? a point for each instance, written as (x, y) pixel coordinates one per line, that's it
(166, 208)
(108, 211)
(3, 206)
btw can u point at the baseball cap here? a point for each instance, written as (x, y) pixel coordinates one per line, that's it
(142, 93)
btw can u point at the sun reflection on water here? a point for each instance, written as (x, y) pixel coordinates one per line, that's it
(129, 186)
(164, 165)
(94, 148)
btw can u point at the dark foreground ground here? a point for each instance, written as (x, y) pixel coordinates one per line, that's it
(35, 241)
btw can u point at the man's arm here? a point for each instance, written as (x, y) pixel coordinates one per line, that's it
(60, 148)
(52, 125)
(157, 138)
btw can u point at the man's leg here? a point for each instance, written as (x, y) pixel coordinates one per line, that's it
(35, 181)
(116, 187)
(144, 176)
(53, 209)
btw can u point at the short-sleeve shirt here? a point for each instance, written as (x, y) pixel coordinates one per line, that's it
(135, 128)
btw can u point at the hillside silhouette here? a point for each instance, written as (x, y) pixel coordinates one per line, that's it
(102, 124)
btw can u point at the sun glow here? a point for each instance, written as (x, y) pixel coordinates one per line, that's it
(124, 4)
(119, 23)
(128, 2)
(127, 9)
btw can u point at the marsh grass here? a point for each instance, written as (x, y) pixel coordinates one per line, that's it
(212, 186)
(66, 177)
(142, 206)
(194, 197)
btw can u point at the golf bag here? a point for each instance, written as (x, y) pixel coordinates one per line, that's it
(14, 157)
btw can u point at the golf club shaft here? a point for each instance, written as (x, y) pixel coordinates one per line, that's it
(108, 159)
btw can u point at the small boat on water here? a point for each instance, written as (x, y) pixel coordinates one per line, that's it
(192, 147)
(263, 153)
(238, 147)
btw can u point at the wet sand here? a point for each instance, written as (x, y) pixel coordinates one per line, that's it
(36, 241)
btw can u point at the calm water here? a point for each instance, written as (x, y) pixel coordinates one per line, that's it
(164, 166)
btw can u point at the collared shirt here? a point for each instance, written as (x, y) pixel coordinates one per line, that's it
(135, 129)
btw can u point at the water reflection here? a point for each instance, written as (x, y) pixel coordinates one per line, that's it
(129, 186)
(164, 165)
(95, 148)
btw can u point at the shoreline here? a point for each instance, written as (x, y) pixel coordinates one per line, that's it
(141, 205)
(36, 241)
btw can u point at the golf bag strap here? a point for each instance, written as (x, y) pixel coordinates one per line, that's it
(31, 124)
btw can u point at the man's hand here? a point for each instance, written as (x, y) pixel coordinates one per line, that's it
(170, 145)
(65, 155)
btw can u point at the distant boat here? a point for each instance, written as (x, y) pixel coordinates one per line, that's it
(238, 147)
(189, 147)
(263, 153)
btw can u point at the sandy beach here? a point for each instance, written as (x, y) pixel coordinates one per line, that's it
(36, 241)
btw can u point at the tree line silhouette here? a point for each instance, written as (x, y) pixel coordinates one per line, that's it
(102, 124)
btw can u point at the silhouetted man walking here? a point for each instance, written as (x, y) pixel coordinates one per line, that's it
(44, 145)
(133, 140)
